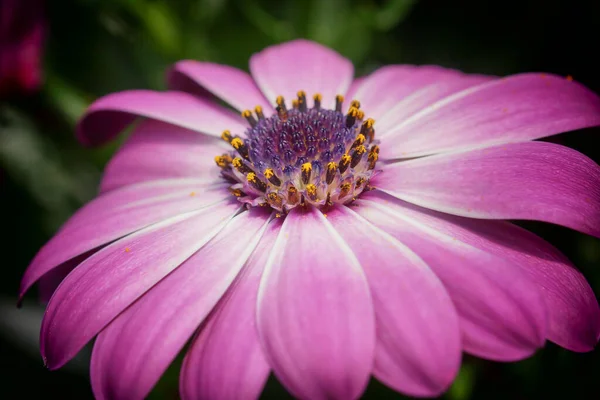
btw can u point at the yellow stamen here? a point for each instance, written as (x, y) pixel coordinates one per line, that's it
(344, 163)
(306, 170)
(331, 170)
(237, 143)
(311, 191)
(226, 136)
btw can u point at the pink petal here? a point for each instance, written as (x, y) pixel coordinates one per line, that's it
(118, 213)
(158, 150)
(233, 85)
(136, 348)
(286, 68)
(393, 93)
(315, 313)
(226, 360)
(513, 109)
(109, 281)
(573, 312)
(502, 313)
(531, 181)
(109, 115)
(354, 86)
(418, 337)
(428, 85)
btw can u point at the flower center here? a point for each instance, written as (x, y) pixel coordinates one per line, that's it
(301, 155)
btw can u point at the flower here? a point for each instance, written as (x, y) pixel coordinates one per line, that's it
(22, 30)
(323, 246)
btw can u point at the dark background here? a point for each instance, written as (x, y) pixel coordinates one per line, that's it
(96, 47)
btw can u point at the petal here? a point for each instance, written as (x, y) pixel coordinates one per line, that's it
(301, 65)
(418, 337)
(118, 213)
(226, 360)
(234, 86)
(532, 181)
(502, 314)
(136, 348)
(315, 313)
(393, 93)
(427, 86)
(354, 86)
(514, 109)
(109, 281)
(109, 115)
(157, 150)
(573, 312)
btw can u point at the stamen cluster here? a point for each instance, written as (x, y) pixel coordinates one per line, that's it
(301, 155)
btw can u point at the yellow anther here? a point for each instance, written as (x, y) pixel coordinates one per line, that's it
(226, 136)
(360, 115)
(259, 112)
(360, 149)
(317, 98)
(249, 117)
(339, 99)
(223, 160)
(275, 200)
(355, 104)
(255, 182)
(237, 143)
(344, 163)
(301, 93)
(353, 111)
(360, 139)
(220, 162)
(240, 166)
(357, 155)
(271, 177)
(373, 157)
(311, 191)
(331, 170)
(280, 101)
(292, 195)
(236, 192)
(344, 189)
(295, 103)
(306, 170)
(367, 129)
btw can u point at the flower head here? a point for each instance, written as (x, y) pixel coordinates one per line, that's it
(341, 229)
(21, 39)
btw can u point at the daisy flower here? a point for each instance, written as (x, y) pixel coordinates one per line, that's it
(329, 230)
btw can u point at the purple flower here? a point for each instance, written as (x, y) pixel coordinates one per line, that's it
(22, 30)
(321, 246)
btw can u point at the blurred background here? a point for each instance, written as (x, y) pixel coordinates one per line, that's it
(58, 56)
